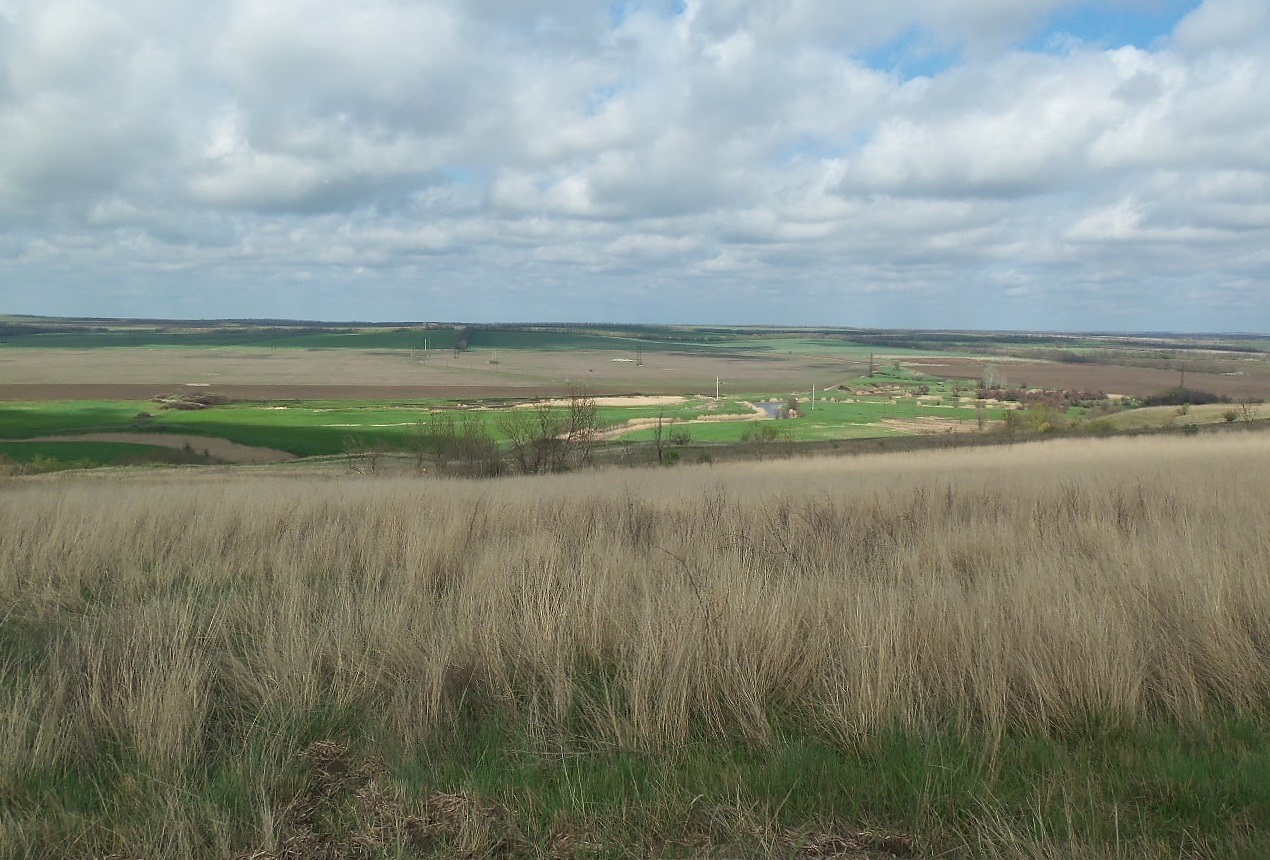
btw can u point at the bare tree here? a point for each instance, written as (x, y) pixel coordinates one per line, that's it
(584, 419)
(362, 455)
(517, 425)
(550, 437)
(1247, 409)
(420, 439)
(659, 435)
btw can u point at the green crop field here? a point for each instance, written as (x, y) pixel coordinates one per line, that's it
(59, 418)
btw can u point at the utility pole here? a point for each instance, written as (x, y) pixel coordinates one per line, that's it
(813, 398)
(1182, 382)
(870, 365)
(716, 388)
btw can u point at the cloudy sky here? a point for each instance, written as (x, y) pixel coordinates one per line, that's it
(921, 163)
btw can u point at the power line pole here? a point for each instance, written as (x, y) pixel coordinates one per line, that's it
(716, 388)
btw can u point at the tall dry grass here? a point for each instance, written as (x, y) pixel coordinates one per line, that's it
(1036, 588)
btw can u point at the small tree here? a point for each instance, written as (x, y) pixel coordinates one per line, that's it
(1010, 423)
(362, 455)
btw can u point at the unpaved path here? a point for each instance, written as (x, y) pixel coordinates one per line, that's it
(221, 449)
(604, 400)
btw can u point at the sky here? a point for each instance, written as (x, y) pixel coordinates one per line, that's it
(991, 164)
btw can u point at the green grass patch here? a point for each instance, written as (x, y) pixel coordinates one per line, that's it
(1152, 792)
(89, 453)
(1155, 789)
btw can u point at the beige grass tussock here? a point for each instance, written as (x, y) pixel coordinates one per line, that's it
(1033, 588)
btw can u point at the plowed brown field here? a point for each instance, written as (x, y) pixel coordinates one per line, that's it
(258, 374)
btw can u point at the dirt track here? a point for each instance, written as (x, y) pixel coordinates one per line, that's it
(221, 449)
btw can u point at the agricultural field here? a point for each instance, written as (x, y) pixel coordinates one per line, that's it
(274, 392)
(884, 405)
(1055, 649)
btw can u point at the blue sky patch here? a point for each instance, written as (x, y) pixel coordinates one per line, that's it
(913, 55)
(1115, 25)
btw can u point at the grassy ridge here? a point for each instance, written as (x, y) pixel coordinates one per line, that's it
(761, 659)
(280, 338)
(650, 339)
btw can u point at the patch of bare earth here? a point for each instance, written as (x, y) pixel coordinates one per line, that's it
(349, 807)
(928, 426)
(348, 374)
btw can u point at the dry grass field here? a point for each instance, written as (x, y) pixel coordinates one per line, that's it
(1054, 650)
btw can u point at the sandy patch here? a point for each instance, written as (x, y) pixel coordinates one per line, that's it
(355, 426)
(222, 449)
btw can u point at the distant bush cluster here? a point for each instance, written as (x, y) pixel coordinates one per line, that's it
(1180, 396)
(1051, 398)
(190, 402)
